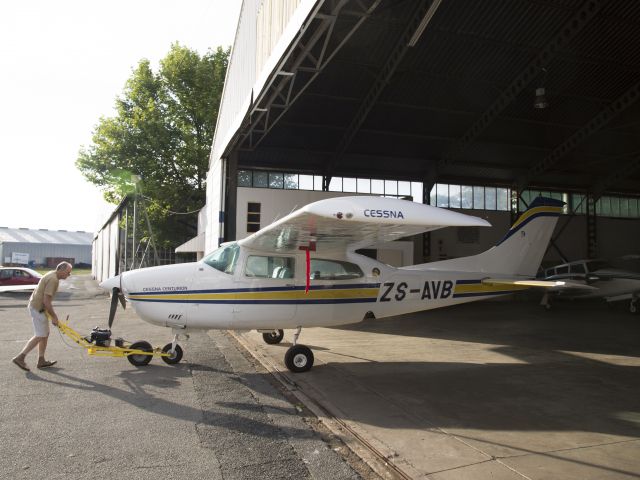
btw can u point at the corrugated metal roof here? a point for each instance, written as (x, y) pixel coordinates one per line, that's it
(458, 105)
(60, 237)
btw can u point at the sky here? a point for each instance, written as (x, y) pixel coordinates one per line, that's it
(62, 66)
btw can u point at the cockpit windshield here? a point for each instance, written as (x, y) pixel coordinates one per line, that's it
(224, 258)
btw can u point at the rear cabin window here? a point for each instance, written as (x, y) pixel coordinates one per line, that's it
(224, 258)
(334, 270)
(577, 268)
(259, 266)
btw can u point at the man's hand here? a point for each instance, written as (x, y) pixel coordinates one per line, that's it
(54, 319)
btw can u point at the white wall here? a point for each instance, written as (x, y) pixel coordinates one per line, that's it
(266, 29)
(275, 204)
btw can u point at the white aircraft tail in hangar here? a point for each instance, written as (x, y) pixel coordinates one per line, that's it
(303, 271)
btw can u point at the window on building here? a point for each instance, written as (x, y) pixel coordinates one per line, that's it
(478, 198)
(502, 199)
(245, 178)
(467, 197)
(253, 217)
(260, 180)
(377, 187)
(442, 195)
(305, 182)
(349, 185)
(291, 181)
(276, 180)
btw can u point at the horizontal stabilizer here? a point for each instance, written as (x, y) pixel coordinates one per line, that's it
(554, 285)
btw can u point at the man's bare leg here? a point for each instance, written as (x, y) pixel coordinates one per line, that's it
(42, 346)
(30, 345)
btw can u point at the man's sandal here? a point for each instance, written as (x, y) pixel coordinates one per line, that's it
(21, 364)
(46, 364)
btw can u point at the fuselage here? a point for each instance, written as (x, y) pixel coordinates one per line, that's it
(244, 289)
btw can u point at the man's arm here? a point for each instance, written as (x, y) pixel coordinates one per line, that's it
(48, 306)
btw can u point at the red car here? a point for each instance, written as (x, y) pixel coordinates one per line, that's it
(18, 278)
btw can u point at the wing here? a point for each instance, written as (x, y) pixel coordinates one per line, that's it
(17, 288)
(354, 222)
(551, 285)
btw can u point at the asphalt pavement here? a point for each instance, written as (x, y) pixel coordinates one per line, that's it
(216, 415)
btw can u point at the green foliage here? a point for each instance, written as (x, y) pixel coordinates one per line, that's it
(162, 133)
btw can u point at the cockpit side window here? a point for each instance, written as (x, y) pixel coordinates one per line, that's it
(262, 266)
(334, 270)
(224, 258)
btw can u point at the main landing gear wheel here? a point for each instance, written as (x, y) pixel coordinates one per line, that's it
(274, 337)
(140, 360)
(174, 358)
(299, 358)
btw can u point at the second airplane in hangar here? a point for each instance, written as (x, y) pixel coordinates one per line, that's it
(303, 271)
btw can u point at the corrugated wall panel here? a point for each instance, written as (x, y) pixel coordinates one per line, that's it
(113, 247)
(273, 18)
(278, 21)
(39, 252)
(105, 251)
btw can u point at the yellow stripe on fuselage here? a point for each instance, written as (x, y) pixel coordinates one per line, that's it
(270, 295)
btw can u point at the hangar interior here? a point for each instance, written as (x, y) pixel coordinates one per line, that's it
(477, 106)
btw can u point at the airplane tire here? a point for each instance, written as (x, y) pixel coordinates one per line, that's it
(299, 358)
(140, 360)
(175, 358)
(273, 338)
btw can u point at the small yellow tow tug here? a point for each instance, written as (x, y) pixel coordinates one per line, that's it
(138, 353)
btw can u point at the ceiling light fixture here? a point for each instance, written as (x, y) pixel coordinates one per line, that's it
(540, 101)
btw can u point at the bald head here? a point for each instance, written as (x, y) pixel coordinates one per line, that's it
(64, 267)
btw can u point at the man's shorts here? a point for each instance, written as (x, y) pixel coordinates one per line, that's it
(40, 322)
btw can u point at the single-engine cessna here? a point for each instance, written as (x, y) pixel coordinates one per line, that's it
(612, 284)
(303, 271)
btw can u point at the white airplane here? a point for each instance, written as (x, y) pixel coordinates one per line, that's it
(607, 282)
(303, 271)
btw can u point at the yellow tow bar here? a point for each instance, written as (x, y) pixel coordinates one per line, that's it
(138, 353)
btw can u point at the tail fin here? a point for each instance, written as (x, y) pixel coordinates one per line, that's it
(521, 250)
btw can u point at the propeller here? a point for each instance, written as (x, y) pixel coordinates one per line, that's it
(116, 294)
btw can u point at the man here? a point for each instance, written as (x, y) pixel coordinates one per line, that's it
(40, 307)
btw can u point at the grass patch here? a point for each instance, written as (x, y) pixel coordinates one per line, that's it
(75, 271)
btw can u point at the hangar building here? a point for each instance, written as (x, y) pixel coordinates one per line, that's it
(478, 106)
(24, 246)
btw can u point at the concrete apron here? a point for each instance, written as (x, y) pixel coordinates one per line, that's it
(501, 391)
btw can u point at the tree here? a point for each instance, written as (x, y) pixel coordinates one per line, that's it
(162, 134)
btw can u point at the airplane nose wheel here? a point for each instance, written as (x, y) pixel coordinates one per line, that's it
(273, 338)
(299, 358)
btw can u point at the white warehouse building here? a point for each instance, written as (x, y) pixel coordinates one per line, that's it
(25, 246)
